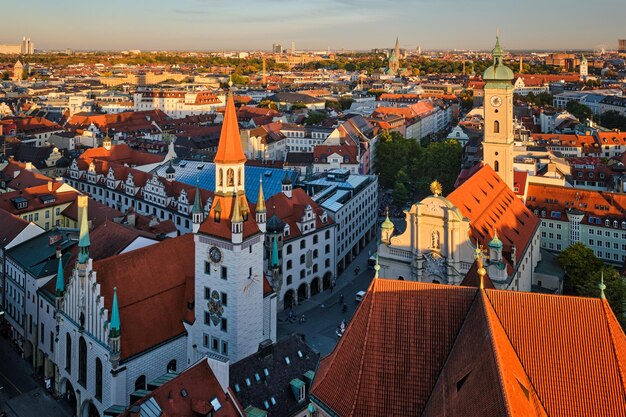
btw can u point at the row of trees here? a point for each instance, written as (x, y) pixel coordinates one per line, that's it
(611, 119)
(409, 167)
(583, 273)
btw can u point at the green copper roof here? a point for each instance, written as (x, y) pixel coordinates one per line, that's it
(495, 243)
(602, 286)
(376, 267)
(275, 252)
(60, 284)
(83, 241)
(197, 205)
(115, 316)
(498, 71)
(387, 224)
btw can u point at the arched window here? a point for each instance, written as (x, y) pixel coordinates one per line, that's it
(99, 379)
(82, 362)
(68, 353)
(221, 178)
(230, 178)
(140, 383)
(496, 166)
(171, 366)
(496, 126)
(239, 176)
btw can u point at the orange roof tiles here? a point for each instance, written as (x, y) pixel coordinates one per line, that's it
(291, 210)
(147, 279)
(122, 154)
(229, 150)
(200, 386)
(554, 198)
(491, 206)
(455, 351)
(223, 227)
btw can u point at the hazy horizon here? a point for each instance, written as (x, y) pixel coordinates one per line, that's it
(360, 25)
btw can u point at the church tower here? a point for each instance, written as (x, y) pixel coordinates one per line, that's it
(498, 130)
(229, 298)
(584, 68)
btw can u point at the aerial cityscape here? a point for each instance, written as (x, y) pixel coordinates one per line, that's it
(348, 213)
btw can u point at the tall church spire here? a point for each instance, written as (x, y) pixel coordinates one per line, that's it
(60, 283)
(83, 241)
(261, 211)
(229, 150)
(197, 213)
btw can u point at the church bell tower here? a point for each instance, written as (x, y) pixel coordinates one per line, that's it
(498, 131)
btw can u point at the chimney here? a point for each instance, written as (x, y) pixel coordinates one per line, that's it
(513, 256)
(131, 218)
(29, 166)
(154, 221)
(50, 186)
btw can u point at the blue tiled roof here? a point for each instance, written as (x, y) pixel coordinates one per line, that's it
(189, 172)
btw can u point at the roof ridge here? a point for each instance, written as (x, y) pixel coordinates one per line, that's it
(622, 372)
(371, 293)
(443, 366)
(543, 407)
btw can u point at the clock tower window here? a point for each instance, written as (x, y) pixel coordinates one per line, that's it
(496, 166)
(496, 126)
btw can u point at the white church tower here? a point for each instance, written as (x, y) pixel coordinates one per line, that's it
(232, 315)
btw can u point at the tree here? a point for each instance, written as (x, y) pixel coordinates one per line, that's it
(314, 117)
(583, 273)
(579, 110)
(298, 105)
(613, 120)
(400, 194)
(268, 104)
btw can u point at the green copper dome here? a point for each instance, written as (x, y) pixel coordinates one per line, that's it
(498, 71)
(387, 224)
(495, 243)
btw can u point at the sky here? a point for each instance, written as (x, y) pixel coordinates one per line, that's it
(313, 24)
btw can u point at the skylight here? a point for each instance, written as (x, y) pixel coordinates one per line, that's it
(300, 353)
(287, 361)
(216, 404)
(266, 372)
(248, 383)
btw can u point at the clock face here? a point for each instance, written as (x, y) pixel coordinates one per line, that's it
(215, 255)
(496, 101)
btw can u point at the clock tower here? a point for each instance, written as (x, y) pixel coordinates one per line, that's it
(498, 130)
(232, 313)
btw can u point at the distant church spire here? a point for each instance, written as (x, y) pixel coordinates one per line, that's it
(83, 241)
(602, 286)
(197, 213)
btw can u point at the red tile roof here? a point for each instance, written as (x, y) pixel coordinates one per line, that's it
(122, 154)
(148, 279)
(223, 227)
(447, 350)
(554, 198)
(491, 206)
(33, 195)
(12, 226)
(201, 386)
(291, 210)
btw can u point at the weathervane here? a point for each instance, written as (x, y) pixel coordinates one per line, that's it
(435, 188)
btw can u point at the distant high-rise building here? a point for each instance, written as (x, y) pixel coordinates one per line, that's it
(621, 45)
(293, 48)
(28, 48)
(277, 48)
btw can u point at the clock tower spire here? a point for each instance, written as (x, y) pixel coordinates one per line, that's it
(498, 130)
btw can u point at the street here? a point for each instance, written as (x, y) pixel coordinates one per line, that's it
(21, 394)
(323, 312)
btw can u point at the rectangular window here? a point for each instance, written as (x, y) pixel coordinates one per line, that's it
(224, 325)
(224, 299)
(215, 343)
(207, 267)
(207, 317)
(224, 348)
(224, 273)
(207, 293)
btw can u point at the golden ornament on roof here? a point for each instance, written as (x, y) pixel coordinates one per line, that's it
(435, 188)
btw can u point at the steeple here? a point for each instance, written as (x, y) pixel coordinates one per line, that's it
(274, 261)
(236, 221)
(387, 228)
(170, 172)
(197, 214)
(115, 331)
(261, 212)
(397, 47)
(602, 286)
(115, 316)
(60, 283)
(106, 143)
(376, 267)
(287, 187)
(229, 150)
(83, 241)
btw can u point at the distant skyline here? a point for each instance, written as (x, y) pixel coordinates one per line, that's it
(317, 25)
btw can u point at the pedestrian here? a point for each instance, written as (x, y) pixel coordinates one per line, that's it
(332, 287)
(341, 298)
